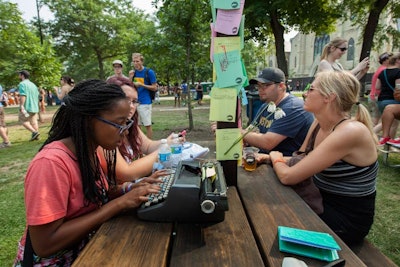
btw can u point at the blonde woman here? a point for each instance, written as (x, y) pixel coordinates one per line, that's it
(333, 51)
(343, 162)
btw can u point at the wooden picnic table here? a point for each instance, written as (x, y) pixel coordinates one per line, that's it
(247, 236)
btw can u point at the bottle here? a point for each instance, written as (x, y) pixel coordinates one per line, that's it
(176, 150)
(26, 114)
(164, 154)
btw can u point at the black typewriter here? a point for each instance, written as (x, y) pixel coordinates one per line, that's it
(194, 192)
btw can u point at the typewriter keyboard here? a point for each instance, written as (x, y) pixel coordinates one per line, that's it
(166, 183)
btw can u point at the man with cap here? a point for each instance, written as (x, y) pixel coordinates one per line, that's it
(117, 66)
(288, 133)
(29, 104)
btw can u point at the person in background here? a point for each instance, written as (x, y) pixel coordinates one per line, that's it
(137, 153)
(344, 160)
(373, 96)
(42, 105)
(67, 195)
(67, 84)
(177, 94)
(333, 51)
(28, 104)
(199, 92)
(286, 134)
(118, 67)
(145, 80)
(391, 115)
(3, 128)
(386, 83)
(184, 93)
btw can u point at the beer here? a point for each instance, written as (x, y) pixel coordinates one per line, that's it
(250, 163)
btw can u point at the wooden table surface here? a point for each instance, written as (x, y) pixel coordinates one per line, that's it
(247, 236)
(270, 204)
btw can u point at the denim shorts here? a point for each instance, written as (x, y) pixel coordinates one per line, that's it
(382, 104)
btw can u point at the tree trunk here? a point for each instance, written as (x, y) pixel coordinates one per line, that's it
(278, 31)
(189, 101)
(369, 31)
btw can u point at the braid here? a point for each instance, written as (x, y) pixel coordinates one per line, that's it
(85, 101)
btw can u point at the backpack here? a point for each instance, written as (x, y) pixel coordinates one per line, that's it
(147, 81)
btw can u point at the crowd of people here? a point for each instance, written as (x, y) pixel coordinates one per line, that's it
(99, 156)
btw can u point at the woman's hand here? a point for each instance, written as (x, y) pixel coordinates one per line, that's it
(139, 194)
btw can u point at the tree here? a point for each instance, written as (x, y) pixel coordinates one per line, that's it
(278, 16)
(184, 24)
(88, 33)
(21, 49)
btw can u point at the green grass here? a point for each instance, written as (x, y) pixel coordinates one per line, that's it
(14, 162)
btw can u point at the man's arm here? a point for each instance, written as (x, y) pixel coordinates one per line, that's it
(265, 141)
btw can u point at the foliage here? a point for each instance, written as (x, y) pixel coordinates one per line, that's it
(266, 18)
(21, 49)
(92, 33)
(186, 38)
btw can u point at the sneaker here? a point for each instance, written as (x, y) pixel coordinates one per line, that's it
(384, 140)
(35, 136)
(394, 142)
(4, 144)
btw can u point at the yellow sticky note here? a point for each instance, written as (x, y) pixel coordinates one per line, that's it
(223, 104)
(224, 140)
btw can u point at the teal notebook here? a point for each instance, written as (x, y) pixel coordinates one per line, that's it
(311, 244)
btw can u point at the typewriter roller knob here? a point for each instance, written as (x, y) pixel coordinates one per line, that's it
(207, 206)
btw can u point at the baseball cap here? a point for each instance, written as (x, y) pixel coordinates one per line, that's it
(118, 62)
(268, 75)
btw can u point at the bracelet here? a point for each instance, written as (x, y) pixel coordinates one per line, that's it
(279, 160)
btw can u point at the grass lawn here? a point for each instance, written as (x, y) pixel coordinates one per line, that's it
(14, 162)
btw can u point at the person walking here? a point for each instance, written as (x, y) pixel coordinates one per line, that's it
(28, 105)
(3, 129)
(145, 80)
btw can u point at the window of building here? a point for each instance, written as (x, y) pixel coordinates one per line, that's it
(319, 43)
(350, 51)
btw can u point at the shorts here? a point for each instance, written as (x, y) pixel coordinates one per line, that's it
(2, 119)
(382, 104)
(32, 118)
(144, 112)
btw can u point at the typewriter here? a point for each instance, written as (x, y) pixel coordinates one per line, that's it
(195, 192)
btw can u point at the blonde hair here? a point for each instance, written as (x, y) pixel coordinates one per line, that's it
(346, 87)
(334, 43)
(138, 55)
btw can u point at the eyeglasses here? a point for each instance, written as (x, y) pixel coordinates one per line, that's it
(122, 128)
(342, 48)
(134, 102)
(263, 85)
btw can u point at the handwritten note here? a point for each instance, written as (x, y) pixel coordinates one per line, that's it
(224, 139)
(228, 20)
(223, 104)
(228, 67)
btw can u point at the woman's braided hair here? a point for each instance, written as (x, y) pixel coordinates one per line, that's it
(88, 99)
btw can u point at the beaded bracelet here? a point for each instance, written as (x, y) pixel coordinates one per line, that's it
(279, 160)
